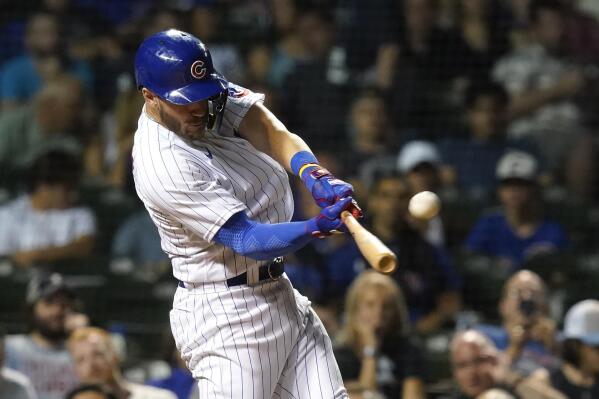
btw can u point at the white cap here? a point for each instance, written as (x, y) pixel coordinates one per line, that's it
(582, 322)
(416, 152)
(517, 165)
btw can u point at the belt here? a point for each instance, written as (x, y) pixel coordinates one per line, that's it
(272, 271)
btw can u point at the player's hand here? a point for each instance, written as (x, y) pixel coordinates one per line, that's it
(325, 188)
(329, 220)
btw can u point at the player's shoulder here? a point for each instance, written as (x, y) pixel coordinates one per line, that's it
(241, 96)
(236, 91)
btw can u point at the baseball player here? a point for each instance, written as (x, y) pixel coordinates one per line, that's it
(210, 166)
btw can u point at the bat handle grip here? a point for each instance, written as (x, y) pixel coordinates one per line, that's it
(349, 220)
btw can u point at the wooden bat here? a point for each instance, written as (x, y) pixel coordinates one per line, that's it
(376, 253)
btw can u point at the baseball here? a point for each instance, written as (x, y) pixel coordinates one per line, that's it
(425, 205)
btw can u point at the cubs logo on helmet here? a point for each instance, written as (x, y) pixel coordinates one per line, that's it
(198, 70)
(177, 67)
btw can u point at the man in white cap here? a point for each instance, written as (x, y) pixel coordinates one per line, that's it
(578, 378)
(518, 231)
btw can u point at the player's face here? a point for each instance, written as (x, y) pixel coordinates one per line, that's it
(472, 369)
(189, 121)
(94, 361)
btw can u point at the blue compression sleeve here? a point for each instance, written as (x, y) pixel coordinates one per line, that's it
(262, 241)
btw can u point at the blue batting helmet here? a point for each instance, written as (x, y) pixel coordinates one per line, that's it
(177, 67)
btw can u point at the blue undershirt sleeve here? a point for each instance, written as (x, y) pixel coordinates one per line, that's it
(262, 241)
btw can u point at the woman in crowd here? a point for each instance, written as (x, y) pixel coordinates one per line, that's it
(375, 351)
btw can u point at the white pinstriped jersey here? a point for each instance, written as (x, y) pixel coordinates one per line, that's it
(191, 188)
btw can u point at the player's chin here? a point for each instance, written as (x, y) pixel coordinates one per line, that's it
(194, 132)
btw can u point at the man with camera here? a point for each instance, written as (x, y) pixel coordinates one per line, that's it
(527, 335)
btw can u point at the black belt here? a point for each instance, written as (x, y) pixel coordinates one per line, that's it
(272, 271)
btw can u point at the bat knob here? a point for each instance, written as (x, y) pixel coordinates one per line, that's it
(387, 263)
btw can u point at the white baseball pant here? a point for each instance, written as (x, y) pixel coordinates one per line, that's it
(262, 341)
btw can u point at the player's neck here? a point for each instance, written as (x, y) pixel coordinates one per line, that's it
(152, 113)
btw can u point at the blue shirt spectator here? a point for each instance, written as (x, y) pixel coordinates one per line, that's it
(518, 231)
(493, 235)
(21, 79)
(45, 59)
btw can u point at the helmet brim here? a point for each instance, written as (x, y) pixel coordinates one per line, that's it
(197, 91)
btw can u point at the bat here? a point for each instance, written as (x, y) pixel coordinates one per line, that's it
(376, 253)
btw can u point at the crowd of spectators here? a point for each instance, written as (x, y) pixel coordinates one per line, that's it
(488, 103)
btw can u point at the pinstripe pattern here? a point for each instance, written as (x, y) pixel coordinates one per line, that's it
(227, 344)
(253, 342)
(191, 189)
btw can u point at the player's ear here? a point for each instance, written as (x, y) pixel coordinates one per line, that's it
(149, 96)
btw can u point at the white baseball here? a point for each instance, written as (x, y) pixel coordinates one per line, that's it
(425, 205)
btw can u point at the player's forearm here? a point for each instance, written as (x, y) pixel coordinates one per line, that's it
(263, 241)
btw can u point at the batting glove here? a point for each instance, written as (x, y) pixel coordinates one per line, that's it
(324, 187)
(329, 220)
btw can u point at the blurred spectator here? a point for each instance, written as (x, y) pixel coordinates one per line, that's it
(578, 377)
(13, 384)
(473, 359)
(159, 18)
(581, 33)
(426, 276)
(420, 69)
(96, 362)
(23, 76)
(370, 26)
(420, 163)
(313, 102)
(82, 27)
(53, 121)
(542, 82)
(370, 135)
(482, 27)
(375, 351)
(518, 231)
(137, 241)
(527, 335)
(290, 46)
(90, 391)
(474, 154)
(206, 25)
(46, 225)
(41, 353)
(480, 373)
(180, 381)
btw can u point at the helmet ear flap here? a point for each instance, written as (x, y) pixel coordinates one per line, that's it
(216, 108)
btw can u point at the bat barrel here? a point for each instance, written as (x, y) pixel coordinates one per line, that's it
(378, 255)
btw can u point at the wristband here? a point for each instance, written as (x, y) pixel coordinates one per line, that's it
(304, 168)
(301, 158)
